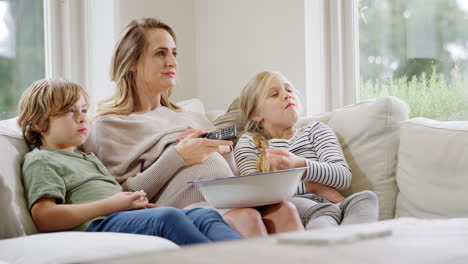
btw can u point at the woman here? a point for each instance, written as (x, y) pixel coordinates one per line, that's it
(135, 129)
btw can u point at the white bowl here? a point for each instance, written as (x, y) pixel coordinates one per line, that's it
(250, 190)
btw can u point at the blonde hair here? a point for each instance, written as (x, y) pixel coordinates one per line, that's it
(44, 99)
(252, 96)
(127, 51)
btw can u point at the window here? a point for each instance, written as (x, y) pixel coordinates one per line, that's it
(21, 50)
(418, 51)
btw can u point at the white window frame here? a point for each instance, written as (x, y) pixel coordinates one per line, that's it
(342, 42)
(79, 38)
(64, 40)
(316, 58)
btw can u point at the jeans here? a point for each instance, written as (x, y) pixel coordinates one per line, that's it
(183, 227)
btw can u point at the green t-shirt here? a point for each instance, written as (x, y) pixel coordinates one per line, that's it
(71, 178)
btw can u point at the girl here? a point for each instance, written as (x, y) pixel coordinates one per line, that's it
(269, 108)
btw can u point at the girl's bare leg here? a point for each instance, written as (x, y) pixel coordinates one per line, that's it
(281, 217)
(246, 221)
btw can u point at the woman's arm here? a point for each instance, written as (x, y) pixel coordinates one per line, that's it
(153, 179)
(225, 150)
(190, 150)
(50, 216)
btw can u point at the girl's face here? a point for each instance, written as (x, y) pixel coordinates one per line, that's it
(278, 109)
(157, 66)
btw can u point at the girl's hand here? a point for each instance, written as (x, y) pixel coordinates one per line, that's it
(283, 160)
(194, 149)
(325, 191)
(123, 201)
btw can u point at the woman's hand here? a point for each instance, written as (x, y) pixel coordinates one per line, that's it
(194, 149)
(223, 149)
(190, 130)
(325, 191)
(123, 201)
(283, 160)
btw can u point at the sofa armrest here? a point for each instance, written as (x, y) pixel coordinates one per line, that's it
(61, 247)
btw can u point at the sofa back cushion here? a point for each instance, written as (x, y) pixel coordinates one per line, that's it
(369, 136)
(432, 172)
(15, 220)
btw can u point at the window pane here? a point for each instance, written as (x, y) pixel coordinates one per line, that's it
(21, 50)
(418, 51)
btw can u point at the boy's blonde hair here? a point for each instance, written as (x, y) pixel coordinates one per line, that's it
(252, 96)
(127, 52)
(44, 99)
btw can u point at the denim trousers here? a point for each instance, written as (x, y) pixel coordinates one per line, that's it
(183, 227)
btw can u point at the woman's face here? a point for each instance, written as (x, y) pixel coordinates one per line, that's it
(157, 66)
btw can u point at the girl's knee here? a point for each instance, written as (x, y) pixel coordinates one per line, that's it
(282, 217)
(367, 195)
(288, 207)
(243, 215)
(247, 222)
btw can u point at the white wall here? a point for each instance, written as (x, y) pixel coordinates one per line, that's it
(221, 44)
(236, 39)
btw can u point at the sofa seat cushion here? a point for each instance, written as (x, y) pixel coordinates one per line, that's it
(68, 247)
(432, 171)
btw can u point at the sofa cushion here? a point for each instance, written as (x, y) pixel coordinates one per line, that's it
(432, 172)
(74, 247)
(13, 147)
(231, 117)
(193, 105)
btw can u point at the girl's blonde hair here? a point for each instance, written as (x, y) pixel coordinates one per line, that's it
(252, 96)
(127, 51)
(44, 99)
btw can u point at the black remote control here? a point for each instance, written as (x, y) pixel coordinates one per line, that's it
(226, 133)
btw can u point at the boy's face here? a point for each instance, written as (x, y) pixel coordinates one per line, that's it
(68, 130)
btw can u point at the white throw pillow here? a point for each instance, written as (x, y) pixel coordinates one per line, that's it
(432, 172)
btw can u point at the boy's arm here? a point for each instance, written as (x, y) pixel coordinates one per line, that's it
(50, 216)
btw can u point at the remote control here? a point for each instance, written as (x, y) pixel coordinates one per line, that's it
(226, 133)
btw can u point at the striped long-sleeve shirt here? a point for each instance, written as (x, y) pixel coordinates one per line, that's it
(317, 143)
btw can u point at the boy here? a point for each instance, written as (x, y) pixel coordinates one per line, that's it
(71, 190)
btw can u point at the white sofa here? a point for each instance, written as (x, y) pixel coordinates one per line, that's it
(418, 168)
